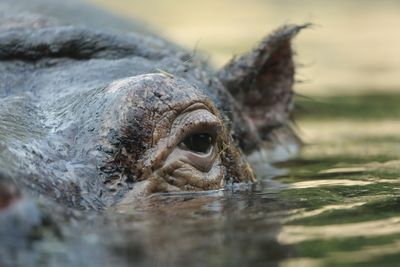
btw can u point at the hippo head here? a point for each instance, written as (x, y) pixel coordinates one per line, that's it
(104, 117)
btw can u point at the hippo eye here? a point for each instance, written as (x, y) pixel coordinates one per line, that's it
(198, 143)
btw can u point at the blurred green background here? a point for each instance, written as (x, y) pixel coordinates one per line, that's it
(354, 46)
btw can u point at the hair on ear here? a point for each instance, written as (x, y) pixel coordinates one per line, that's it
(261, 81)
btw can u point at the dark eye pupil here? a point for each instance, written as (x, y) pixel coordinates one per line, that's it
(198, 142)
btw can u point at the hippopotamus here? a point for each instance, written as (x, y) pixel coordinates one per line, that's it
(98, 113)
(93, 116)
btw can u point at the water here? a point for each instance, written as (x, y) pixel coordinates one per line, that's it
(337, 205)
(345, 185)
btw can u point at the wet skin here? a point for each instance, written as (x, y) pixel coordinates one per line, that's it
(91, 118)
(99, 120)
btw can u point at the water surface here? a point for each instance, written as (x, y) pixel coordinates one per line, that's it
(337, 205)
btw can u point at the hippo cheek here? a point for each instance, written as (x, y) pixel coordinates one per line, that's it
(186, 158)
(190, 171)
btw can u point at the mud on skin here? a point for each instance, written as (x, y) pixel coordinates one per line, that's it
(93, 117)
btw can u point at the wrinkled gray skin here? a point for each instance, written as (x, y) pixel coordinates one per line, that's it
(95, 111)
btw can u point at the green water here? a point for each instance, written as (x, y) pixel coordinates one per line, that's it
(346, 186)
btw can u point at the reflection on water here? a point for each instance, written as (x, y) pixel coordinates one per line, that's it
(346, 185)
(317, 183)
(338, 205)
(205, 229)
(297, 234)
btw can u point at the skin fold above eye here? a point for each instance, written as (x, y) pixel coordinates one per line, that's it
(195, 127)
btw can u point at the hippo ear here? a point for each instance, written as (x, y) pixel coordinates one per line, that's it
(261, 81)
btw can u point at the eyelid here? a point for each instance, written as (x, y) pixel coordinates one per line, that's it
(201, 129)
(194, 122)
